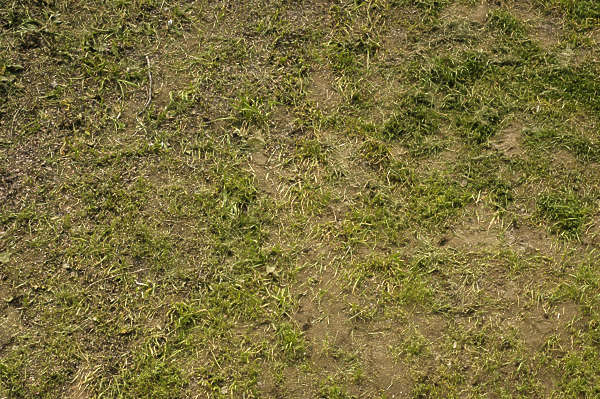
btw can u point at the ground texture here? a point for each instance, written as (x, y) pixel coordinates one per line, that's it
(299, 199)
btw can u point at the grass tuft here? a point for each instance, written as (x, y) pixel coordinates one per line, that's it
(564, 210)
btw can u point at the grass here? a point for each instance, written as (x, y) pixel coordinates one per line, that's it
(343, 199)
(564, 210)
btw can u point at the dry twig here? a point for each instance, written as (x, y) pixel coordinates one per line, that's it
(149, 87)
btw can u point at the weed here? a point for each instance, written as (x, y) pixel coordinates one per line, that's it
(584, 14)
(333, 391)
(414, 119)
(375, 153)
(480, 126)
(434, 199)
(548, 140)
(150, 378)
(564, 210)
(312, 149)
(291, 341)
(455, 71)
(251, 111)
(505, 23)
(577, 84)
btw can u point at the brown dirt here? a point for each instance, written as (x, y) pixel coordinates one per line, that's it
(10, 326)
(477, 14)
(530, 240)
(77, 392)
(508, 140)
(333, 336)
(547, 35)
(592, 235)
(323, 90)
(263, 163)
(478, 228)
(10, 319)
(438, 162)
(541, 324)
(564, 159)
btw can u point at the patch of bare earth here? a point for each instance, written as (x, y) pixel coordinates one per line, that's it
(337, 340)
(592, 234)
(476, 13)
(547, 34)
(530, 240)
(482, 228)
(440, 161)
(77, 389)
(323, 90)
(479, 228)
(10, 320)
(265, 177)
(564, 159)
(508, 141)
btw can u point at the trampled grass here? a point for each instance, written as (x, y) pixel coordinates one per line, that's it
(299, 199)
